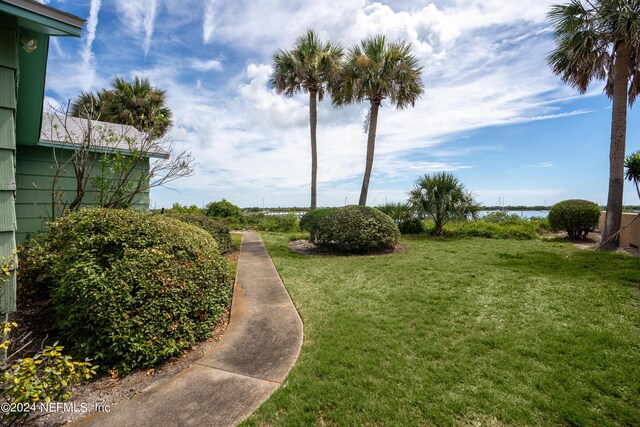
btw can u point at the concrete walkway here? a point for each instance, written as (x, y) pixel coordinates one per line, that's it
(249, 363)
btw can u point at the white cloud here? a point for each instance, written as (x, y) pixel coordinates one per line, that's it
(208, 65)
(208, 22)
(86, 53)
(540, 165)
(139, 17)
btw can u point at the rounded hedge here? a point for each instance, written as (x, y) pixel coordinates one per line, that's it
(310, 220)
(576, 217)
(219, 230)
(355, 229)
(129, 289)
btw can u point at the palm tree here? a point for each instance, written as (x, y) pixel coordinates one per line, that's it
(443, 197)
(599, 39)
(137, 104)
(87, 105)
(632, 164)
(375, 71)
(309, 67)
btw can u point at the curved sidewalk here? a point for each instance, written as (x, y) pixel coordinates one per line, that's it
(250, 362)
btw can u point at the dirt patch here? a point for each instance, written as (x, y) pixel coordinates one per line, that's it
(305, 247)
(593, 241)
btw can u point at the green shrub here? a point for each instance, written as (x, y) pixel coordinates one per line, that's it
(355, 229)
(404, 216)
(129, 289)
(226, 210)
(490, 230)
(281, 223)
(178, 208)
(576, 217)
(218, 229)
(501, 217)
(310, 220)
(410, 226)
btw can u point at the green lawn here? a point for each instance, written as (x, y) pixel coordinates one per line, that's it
(462, 332)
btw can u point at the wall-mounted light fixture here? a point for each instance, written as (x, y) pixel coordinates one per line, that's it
(29, 44)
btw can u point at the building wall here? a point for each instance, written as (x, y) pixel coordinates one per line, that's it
(35, 172)
(8, 73)
(630, 236)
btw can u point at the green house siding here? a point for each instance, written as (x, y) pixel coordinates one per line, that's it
(8, 101)
(35, 174)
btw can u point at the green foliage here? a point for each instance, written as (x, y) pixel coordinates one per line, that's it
(44, 377)
(576, 217)
(135, 103)
(442, 197)
(632, 173)
(226, 210)
(129, 289)
(309, 221)
(404, 216)
(355, 229)
(411, 226)
(286, 223)
(522, 230)
(218, 229)
(500, 217)
(192, 209)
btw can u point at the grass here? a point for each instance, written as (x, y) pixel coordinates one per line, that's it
(462, 332)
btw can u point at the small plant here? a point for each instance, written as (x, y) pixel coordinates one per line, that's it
(576, 217)
(355, 229)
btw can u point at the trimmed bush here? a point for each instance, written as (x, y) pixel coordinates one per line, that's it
(310, 220)
(129, 289)
(227, 211)
(576, 217)
(355, 229)
(219, 230)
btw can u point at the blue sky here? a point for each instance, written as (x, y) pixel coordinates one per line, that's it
(492, 112)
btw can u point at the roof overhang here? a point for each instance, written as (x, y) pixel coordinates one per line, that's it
(43, 19)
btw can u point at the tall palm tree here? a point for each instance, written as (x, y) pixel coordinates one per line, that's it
(600, 39)
(138, 104)
(309, 67)
(374, 71)
(443, 197)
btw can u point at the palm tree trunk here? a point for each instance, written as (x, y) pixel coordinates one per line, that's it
(613, 219)
(313, 121)
(371, 145)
